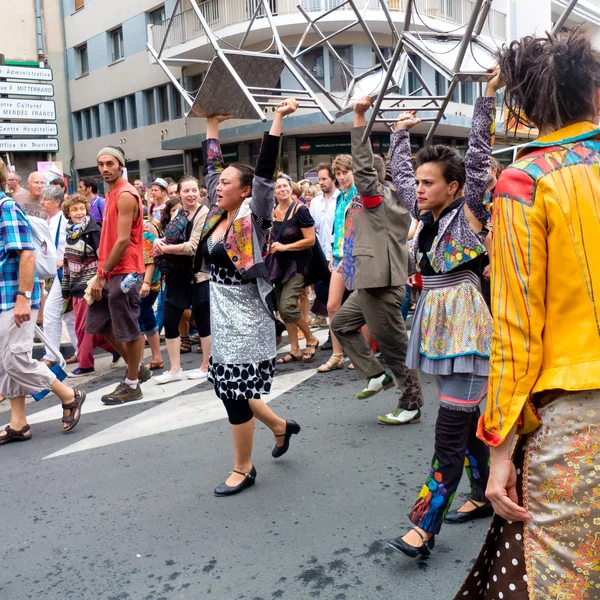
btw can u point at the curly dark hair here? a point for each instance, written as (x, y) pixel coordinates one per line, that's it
(550, 81)
(449, 160)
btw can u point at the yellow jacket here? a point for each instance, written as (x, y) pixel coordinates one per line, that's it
(545, 278)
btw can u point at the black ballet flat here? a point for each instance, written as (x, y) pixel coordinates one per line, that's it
(291, 428)
(480, 512)
(413, 551)
(229, 490)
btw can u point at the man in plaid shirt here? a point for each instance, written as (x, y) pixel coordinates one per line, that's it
(20, 294)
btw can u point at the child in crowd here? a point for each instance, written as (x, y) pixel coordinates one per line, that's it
(80, 265)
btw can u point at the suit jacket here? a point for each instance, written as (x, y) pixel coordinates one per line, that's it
(376, 227)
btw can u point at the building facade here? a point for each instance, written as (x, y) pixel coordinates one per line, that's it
(120, 96)
(31, 38)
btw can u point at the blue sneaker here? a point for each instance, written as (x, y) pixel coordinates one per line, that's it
(82, 372)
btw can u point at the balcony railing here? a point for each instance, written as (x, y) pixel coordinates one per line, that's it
(219, 14)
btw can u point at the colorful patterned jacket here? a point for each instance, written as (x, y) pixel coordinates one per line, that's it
(246, 239)
(456, 242)
(545, 278)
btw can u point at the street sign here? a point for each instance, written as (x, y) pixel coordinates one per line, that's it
(15, 72)
(28, 129)
(29, 145)
(36, 110)
(21, 88)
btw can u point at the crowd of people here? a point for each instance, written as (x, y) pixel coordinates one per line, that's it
(237, 262)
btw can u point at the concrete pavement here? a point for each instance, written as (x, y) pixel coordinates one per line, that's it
(137, 519)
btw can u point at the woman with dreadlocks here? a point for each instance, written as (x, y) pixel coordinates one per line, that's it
(545, 361)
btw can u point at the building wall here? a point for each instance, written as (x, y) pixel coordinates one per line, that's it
(19, 43)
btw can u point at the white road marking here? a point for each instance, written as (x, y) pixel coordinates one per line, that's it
(152, 392)
(178, 413)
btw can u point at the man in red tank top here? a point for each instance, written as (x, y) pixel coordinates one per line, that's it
(116, 289)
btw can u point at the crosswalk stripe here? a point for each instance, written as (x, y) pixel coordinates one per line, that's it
(179, 413)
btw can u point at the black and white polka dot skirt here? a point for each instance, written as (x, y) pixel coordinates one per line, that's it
(247, 381)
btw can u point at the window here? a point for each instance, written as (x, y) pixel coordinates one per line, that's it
(177, 110)
(79, 4)
(95, 121)
(82, 56)
(116, 44)
(110, 117)
(413, 82)
(132, 111)
(121, 109)
(468, 93)
(87, 124)
(78, 131)
(441, 84)
(157, 15)
(163, 103)
(313, 62)
(337, 78)
(149, 100)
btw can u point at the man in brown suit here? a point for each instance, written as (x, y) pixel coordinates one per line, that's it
(375, 268)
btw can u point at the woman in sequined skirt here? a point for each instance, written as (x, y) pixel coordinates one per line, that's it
(242, 323)
(544, 541)
(451, 332)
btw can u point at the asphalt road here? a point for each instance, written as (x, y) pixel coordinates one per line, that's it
(137, 519)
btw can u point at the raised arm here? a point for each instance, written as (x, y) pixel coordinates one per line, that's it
(400, 161)
(477, 159)
(213, 158)
(365, 176)
(263, 199)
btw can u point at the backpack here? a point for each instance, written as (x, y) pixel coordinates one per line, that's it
(177, 231)
(45, 249)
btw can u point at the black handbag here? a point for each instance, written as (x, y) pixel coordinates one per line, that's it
(319, 267)
(271, 262)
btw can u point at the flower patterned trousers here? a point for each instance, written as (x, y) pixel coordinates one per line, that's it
(456, 445)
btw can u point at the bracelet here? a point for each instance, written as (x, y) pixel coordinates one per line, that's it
(104, 274)
(147, 283)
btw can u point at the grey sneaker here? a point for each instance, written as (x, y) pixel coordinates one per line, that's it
(124, 393)
(144, 374)
(374, 385)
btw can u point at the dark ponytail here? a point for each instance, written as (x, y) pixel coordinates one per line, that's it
(449, 160)
(550, 81)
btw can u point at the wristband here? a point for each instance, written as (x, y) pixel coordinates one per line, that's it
(104, 274)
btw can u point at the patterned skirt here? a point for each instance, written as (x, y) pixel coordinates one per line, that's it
(243, 350)
(452, 327)
(555, 554)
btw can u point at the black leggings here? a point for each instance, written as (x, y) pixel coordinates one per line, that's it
(238, 411)
(200, 315)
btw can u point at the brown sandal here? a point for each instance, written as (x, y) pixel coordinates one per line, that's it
(72, 360)
(15, 435)
(155, 366)
(74, 410)
(308, 355)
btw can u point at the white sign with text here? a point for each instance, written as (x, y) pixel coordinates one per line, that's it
(38, 110)
(15, 72)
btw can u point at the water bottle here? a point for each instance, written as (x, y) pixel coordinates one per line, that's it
(128, 282)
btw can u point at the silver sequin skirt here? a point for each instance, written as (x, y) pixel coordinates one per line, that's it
(243, 342)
